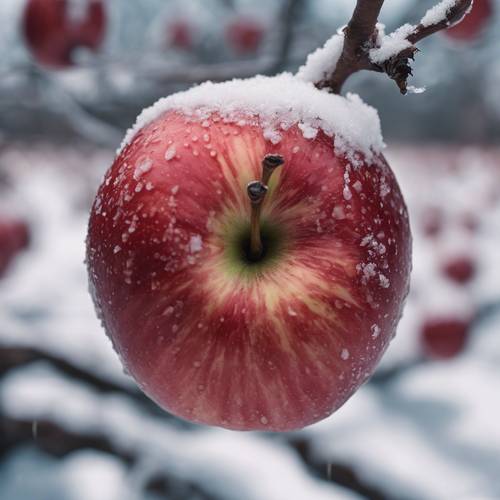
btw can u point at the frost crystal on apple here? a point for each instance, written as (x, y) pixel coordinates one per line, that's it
(141, 168)
(276, 104)
(170, 153)
(195, 244)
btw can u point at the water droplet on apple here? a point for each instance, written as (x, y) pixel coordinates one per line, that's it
(263, 420)
(344, 354)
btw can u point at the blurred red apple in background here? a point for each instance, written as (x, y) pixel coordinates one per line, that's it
(53, 29)
(180, 34)
(460, 269)
(432, 221)
(213, 334)
(14, 236)
(471, 222)
(244, 35)
(473, 23)
(444, 337)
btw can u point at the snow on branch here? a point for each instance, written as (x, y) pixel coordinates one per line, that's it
(362, 45)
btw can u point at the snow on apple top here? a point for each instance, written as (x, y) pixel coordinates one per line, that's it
(277, 103)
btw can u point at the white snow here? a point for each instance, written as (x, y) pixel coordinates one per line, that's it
(209, 456)
(322, 62)
(392, 44)
(415, 90)
(437, 13)
(275, 104)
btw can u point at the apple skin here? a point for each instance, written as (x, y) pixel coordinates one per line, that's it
(244, 35)
(206, 335)
(473, 23)
(52, 35)
(444, 337)
(14, 237)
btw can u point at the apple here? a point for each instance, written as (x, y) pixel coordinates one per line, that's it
(460, 269)
(470, 222)
(432, 222)
(444, 337)
(180, 34)
(244, 35)
(473, 23)
(54, 29)
(14, 237)
(247, 283)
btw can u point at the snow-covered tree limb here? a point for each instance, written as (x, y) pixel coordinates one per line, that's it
(362, 45)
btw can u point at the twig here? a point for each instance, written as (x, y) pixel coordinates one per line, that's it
(57, 441)
(361, 38)
(14, 357)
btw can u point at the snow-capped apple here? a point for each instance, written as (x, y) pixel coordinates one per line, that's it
(244, 35)
(460, 269)
(249, 252)
(474, 22)
(14, 237)
(54, 29)
(444, 337)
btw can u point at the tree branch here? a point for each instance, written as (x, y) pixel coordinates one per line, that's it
(357, 36)
(12, 357)
(364, 48)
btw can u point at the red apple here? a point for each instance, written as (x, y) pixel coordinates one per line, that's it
(444, 337)
(244, 35)
(473, 23)
(180, 34)
(53, 29)
(432, 222)
(14, 236)
(460, 269)
(470, 222)
(217, 337)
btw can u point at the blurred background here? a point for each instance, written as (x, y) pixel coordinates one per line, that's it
(73, 76)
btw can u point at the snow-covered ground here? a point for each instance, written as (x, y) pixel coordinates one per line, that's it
(73, 426)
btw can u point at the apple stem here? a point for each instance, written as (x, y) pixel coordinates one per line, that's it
(256, 191)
